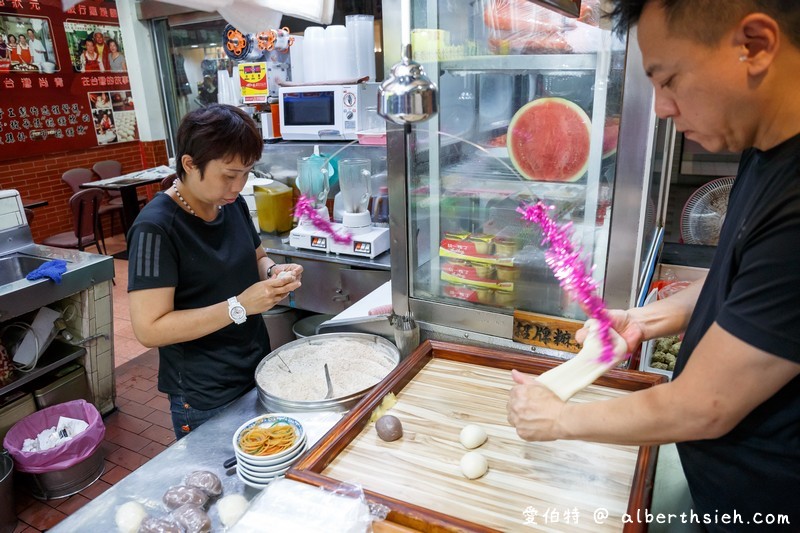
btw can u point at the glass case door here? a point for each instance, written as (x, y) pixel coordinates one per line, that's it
(530, 108)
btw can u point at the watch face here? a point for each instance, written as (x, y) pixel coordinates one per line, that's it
(238, 313)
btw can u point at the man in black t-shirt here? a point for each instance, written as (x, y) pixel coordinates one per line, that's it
(727, 74)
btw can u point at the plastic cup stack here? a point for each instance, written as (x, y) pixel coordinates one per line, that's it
(362, 39)
(314, 56)
(338, 54)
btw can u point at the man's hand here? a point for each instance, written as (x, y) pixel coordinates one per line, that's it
(533, 409)
(623, 323)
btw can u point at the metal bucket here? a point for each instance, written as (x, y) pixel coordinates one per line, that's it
(308, 326)
(275, 404)
(279, 321)
(8, 516)
(64, 483)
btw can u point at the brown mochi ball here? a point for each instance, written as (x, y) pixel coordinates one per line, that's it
(389, 428)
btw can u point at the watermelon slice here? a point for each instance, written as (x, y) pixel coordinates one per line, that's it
(610, 136)
(548, 140)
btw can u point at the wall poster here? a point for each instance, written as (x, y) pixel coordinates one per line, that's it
(63, 76)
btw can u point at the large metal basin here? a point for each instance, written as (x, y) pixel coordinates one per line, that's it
(276, 404)
(15, 267)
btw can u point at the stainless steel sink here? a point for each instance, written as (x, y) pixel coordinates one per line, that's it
(19, 255)
(15, 267)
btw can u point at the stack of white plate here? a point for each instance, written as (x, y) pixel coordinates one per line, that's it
(258, 470)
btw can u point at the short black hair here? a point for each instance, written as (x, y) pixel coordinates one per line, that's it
(217, 131)
(706, 21)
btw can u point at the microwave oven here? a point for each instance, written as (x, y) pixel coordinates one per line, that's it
(327, 112)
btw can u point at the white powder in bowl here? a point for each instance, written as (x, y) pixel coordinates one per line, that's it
(354, 366)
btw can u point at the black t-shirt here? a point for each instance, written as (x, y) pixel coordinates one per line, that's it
(207, 263)
(753, 292)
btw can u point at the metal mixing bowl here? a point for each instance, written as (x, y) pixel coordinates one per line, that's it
(275, 404)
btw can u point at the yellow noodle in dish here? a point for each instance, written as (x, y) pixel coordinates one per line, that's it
(270, 440)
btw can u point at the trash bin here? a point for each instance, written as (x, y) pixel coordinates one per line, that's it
(67, 468)
(8, 514)
(279, 321)
(308, 326)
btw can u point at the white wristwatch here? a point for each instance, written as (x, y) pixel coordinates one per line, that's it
(236, 311)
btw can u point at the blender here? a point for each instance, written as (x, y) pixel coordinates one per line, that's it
(313, 175)
(355, 182)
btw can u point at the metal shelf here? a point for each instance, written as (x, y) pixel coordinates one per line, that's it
(57, 355)
(521, 63)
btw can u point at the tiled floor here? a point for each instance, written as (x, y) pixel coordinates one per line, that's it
(139, 429)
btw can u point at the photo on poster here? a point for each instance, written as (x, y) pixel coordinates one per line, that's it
(26, 45)
(100, 100)
(126, 126)
(95, 47)
(122, 101)
(104, 126)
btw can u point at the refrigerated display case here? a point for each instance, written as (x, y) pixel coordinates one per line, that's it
(462, 258)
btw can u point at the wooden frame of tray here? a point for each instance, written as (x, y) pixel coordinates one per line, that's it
(327, 449)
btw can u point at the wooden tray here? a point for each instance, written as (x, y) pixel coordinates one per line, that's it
(442, 387)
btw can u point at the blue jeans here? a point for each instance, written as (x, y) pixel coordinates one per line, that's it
(186, 418)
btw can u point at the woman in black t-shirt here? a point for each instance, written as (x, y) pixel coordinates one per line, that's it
(198, 277)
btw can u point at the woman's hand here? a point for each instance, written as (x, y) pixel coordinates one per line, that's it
(624, 324)
(294, 269)
(533, 409)
(264, 295)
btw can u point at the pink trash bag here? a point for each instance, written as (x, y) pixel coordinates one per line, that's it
(65, 455)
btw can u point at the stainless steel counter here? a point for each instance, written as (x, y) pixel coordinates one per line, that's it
(83, 271)
(204, 449)
(274, 244)
(331, 283)
(210, 445)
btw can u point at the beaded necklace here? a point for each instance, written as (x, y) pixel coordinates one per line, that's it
(180, 197)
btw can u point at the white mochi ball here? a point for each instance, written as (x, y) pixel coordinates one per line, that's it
(231, 508)
(472, 436)
(474, 465)
(129, 516)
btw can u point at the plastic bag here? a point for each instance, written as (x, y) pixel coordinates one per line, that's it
(522, 27)
(288, 505)
(671, 288)
(61, 457)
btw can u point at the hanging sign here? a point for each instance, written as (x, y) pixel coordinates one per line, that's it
(253, 80)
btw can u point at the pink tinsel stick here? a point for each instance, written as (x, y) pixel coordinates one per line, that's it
(304, 208)
(570, 270)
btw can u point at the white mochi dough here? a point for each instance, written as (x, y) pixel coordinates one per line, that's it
(474, 465)
(129, 517)
(285, 274)
(231, 508)
(472, 436)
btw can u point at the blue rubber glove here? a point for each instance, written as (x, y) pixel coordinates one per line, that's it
(52, 269)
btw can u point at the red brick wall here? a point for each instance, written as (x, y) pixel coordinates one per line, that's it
(39, 178)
